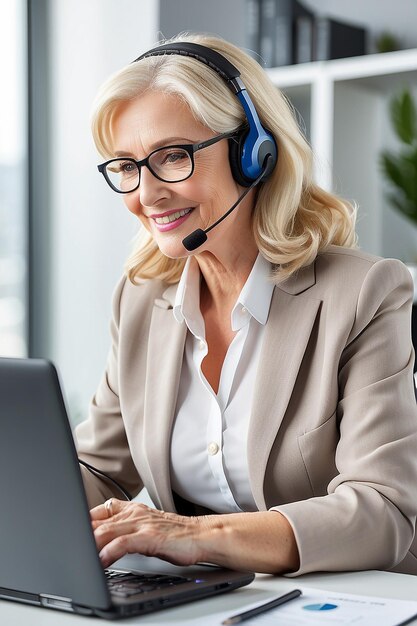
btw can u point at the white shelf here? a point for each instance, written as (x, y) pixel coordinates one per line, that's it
(370, 66)
(344, 104)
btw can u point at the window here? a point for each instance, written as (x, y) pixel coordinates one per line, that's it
(13, 178)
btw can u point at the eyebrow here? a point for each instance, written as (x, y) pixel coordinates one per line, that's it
(169, 141)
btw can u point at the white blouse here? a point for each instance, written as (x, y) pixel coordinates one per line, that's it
(209, 439)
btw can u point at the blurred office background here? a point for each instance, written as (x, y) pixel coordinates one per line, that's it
(63, 234)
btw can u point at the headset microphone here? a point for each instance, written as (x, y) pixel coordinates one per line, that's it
(196, 239)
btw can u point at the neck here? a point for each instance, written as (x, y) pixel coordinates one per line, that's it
(223, 278)
(226, 265)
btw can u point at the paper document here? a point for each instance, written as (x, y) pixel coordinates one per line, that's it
(321, 607)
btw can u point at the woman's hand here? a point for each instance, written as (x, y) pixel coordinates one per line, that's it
(127, 527)
(260, 542)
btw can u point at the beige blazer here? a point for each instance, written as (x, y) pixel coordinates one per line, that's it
(332, 440)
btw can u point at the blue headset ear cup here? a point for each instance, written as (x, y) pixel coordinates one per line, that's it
(236, 147)
(235, 157)
(269, 148)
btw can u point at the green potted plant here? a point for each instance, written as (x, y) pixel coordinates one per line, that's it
(387, 42)
(400, 168)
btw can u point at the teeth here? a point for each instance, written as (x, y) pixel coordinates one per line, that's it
(171, 218)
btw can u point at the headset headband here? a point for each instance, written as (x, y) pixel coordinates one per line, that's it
(209, 57)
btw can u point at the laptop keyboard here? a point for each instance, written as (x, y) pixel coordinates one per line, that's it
(126, 584)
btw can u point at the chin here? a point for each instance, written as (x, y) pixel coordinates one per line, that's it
(173, 251)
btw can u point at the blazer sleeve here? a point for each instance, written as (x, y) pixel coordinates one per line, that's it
(101, 439)
(367, 518)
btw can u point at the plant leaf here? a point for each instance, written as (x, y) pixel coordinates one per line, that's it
(391, 166)
(403, 206)
(403, 116)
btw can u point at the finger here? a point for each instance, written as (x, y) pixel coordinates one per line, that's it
(119, 547)
(121, 511)
(107, 532)
(106, 510)
(131, 517)
(181, 552)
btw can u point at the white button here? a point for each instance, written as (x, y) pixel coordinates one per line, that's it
(244, 310)
(212, 448)
(202, 345)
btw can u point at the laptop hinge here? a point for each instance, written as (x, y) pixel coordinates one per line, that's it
(56, 602)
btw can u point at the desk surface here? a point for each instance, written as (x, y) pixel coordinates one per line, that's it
(371, 583)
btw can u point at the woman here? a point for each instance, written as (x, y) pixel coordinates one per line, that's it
(259, 386)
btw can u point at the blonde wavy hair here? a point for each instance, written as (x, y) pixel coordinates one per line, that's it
(293, 218)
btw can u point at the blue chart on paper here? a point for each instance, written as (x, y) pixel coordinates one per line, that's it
(320, 607)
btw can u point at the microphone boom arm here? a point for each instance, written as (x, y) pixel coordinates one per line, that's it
(196, 239)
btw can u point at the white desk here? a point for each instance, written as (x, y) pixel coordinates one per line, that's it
(371, 583)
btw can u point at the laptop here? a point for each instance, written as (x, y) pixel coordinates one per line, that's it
(48, 555)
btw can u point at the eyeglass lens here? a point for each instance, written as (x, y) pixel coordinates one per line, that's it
(169, 164)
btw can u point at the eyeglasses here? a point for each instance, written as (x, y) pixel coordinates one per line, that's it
(171, 164)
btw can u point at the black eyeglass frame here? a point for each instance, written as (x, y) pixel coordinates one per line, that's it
(190, 148)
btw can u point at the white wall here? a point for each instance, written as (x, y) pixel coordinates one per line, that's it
(219, 17)
(91, 228)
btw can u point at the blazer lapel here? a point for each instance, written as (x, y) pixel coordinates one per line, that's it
(165, 355)
(287, 332)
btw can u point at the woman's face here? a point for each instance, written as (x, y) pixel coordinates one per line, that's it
(154, 120)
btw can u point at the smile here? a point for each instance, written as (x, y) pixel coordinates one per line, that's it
(167, 219)
(173, 220)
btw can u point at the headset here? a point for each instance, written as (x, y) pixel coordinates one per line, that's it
(248, 151)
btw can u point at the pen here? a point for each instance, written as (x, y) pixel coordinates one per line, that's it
(241, 617)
